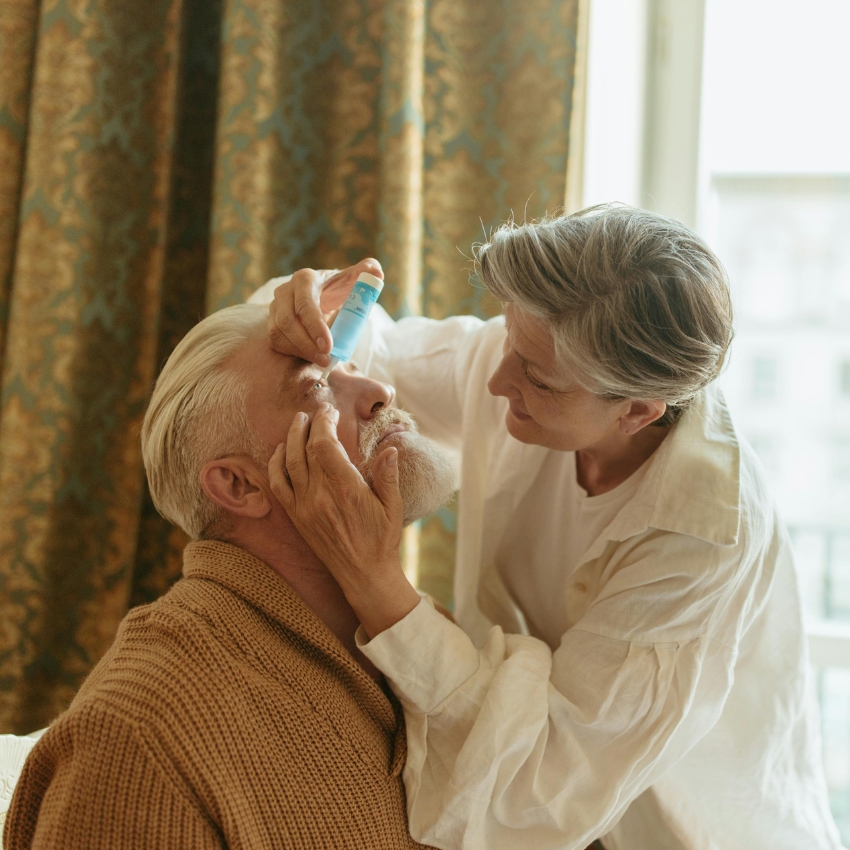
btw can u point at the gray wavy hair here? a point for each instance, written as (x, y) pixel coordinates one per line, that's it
(637, 304)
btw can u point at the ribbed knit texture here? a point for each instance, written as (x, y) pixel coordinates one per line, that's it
(225, 715)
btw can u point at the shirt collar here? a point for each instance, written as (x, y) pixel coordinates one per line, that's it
(693, 484)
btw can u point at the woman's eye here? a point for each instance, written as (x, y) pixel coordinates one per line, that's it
(535, 383)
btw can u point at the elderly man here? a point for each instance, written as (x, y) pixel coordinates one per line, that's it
(237, 711)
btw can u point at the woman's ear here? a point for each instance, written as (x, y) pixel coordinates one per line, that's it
(640, 414)
(231, 483)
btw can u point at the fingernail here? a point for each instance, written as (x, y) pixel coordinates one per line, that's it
(302, 417)
(321, 343)
(392, 460)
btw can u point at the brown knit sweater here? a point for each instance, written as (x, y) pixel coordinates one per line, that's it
(225, 715)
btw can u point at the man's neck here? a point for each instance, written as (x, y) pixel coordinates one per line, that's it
(292, 559)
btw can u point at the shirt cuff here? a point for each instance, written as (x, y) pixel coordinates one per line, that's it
(424, 656)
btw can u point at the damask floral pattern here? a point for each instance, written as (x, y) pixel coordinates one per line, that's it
(163, 159)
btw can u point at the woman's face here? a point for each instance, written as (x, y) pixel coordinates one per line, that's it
(546, 406)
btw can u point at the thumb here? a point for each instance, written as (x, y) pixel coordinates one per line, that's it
(386, 484)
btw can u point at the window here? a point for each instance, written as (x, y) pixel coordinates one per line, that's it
(844, 379)
(764, 378)
(766, 448)
(729, 121)
(775, 204)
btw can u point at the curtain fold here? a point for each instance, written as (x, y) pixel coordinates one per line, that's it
(161, 160)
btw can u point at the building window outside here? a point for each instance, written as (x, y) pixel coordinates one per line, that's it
(775, 205)
(765, 446)
(764, 378)
(795, 406)
(833, 686)
(844, 377)
(772, 189)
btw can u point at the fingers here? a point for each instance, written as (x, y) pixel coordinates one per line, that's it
(279, 481)
(288, 336)
(296, 455)
(308, 311)
(296, 325)
(313, 453)
(338, 286)
(386, 484)
(369, 264)
(325, 453)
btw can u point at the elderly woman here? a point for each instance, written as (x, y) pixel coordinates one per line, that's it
(630, 661)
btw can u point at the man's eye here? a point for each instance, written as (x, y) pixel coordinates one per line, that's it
(319, 385)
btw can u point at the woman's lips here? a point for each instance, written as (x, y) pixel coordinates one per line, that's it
(518, 414)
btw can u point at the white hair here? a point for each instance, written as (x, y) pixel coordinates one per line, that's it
(197, 414)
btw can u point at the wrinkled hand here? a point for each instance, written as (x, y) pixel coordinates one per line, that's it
(304, 306)
(354, 530)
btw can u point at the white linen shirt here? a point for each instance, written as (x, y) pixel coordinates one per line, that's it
(677, 711)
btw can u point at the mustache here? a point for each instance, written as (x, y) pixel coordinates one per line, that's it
(380, 421)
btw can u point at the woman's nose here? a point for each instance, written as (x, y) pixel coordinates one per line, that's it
(500, 383)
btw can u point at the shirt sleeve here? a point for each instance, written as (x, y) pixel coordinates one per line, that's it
(515, 746)
(94, 783)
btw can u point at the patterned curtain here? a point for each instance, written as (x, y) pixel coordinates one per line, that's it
(162, 159)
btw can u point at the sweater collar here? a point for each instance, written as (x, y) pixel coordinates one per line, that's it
(258, 584)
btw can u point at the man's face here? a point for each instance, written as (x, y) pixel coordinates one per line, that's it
(281, 386)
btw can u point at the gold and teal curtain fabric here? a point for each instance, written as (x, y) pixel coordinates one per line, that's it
(162, 159)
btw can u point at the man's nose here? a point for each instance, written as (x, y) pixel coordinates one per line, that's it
(373, 395)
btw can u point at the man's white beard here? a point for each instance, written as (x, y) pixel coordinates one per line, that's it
(426, 478)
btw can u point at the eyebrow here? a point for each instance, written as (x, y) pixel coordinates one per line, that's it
(290, 377)
(527, 361)
(539, 372)
(533, 364)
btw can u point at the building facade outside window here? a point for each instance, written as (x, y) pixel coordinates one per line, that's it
(730, 116)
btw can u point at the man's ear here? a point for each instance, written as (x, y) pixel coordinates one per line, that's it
(639, 414)
(232, 483)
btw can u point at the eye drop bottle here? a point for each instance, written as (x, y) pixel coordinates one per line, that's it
(351, 319)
